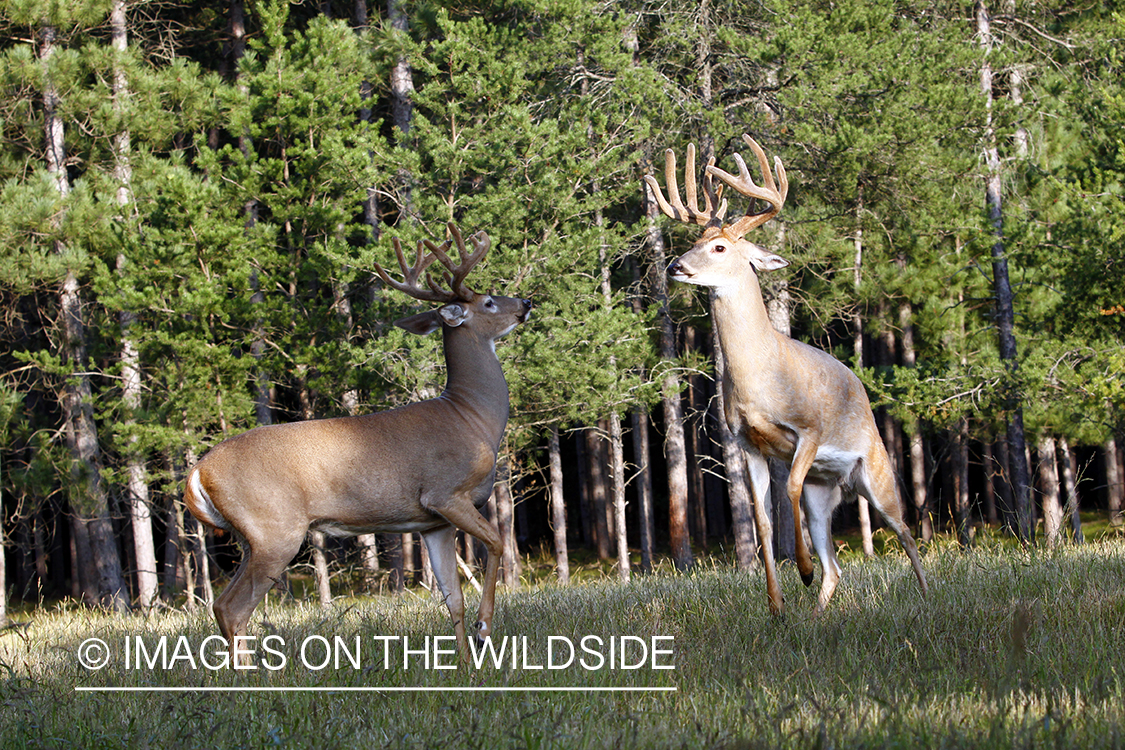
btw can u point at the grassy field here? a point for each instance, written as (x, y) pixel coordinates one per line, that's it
(1013, 649)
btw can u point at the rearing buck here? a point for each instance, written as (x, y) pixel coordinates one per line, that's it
(425, 467)
(783, 398)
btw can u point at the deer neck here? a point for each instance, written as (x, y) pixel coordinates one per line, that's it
(743, 326)
(475, 382)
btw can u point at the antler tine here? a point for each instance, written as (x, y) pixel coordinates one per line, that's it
(455, 274)
(744, 184)
(714, 207)
(410, 275)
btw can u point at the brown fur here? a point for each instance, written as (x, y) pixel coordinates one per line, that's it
(426, 468)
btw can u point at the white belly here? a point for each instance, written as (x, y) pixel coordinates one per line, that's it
(835, 464)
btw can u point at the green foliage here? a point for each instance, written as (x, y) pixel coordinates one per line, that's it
(240, 250)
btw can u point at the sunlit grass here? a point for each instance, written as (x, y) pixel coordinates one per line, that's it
(1013, 648)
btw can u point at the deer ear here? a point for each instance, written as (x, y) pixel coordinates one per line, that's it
(420, 324)
(767, 261)
(454, 315)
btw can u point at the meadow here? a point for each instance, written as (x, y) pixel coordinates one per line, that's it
(1012, 649)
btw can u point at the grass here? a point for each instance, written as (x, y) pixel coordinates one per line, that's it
(1013, 649)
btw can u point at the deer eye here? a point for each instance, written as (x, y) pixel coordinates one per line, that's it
(720, 248)
(490, 304)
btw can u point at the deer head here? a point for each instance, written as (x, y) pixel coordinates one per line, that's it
(493, 315)
(721, 256)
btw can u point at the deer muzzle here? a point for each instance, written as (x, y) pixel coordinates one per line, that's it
(678, 272)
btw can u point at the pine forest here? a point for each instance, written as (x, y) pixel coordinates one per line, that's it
(193, 198)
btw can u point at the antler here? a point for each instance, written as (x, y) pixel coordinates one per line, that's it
(745, 185)
(410, 274)
(715, 209)
(454, 275)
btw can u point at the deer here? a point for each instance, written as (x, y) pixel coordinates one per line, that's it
(425, 467)
(784, 399)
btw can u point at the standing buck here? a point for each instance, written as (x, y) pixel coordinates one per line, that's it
(424, 467)
(784, 399)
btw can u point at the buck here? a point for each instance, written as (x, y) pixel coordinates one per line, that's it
(425, 467)
(783, 399)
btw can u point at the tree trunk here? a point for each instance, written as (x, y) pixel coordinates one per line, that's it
(370, 206)
(641, 456)
(39, 541)
(741, 510)
(961, 510)
(187, 559)
(617, 469)
(917, 448)
(891, 428)
(510, 560)
(784, 530)
(368, 545)
(693, 446)
(1115, 485)
(585, 502)
(402, 106)
(596, 491)
(715, 492)
(644, 487)
(140, 513)
(236, 49)
(1070, 485)
(392, 544)
(173, 582)
(673, 412)
(408, 555)
(198, 561)
(989, 484)
(427, 570)
(857, 339)
(616, 447)
(1049, 485)
(89, 499)
(558, 507)
(317, 541)
(1003, 483)
(641, 447)
(1020, 477)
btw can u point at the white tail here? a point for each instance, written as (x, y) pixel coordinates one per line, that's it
(784, 399)
(425, 467)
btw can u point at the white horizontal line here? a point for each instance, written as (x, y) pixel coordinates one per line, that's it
(446, 689)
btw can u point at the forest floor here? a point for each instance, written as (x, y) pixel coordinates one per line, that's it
(1013, 648)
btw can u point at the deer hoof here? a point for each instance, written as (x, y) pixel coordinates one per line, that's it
(806, 578)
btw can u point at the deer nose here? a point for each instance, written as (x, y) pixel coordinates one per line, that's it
(675, 269)
(526, 304)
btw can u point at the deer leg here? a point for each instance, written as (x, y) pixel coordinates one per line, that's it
(802, 462)
(464, 515)
(820, 501)
(758, 469)
(441, 544)
(255, 576)
(876, 483)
